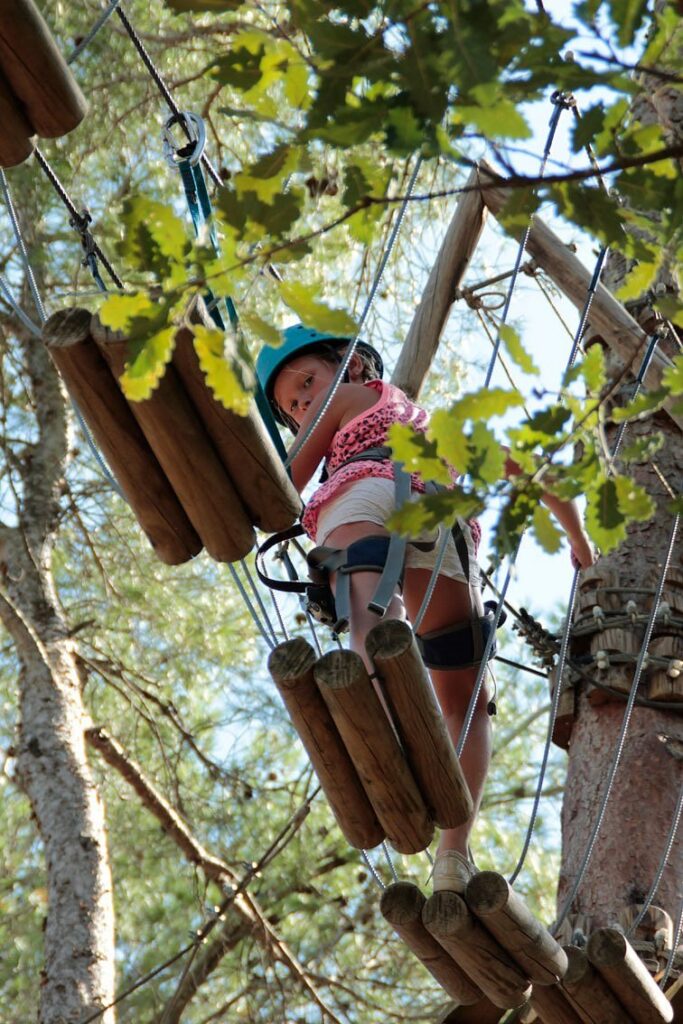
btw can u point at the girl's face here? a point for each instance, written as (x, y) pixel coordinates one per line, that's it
(299, 382)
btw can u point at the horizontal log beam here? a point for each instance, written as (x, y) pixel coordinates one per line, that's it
(618, 328)
(616, 960)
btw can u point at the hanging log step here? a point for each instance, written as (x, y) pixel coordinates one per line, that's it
(618, 964)
(187, 456)
(420, 725)
(16, 144)
(374, 750)
(117, 432)
(551, 1005)
(242, 442)
(506, 916)
(291, 667)
(588, 993)
(402, 905)
(667, 683)
(475, 950)
(37, 73)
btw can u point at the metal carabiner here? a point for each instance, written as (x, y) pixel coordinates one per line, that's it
(197, 138)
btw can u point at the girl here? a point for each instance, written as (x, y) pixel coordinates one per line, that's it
(355, 502)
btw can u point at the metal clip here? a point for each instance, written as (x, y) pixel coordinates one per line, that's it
(632, 611)
(197, 139)
(675, 668)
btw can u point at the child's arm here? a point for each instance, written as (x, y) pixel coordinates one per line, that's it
(305, 462)
(567, 515)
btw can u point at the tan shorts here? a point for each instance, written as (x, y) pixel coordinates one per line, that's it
(372, 500)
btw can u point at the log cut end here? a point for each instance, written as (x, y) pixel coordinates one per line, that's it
(388, 639)
(289, 661)
(67, 327)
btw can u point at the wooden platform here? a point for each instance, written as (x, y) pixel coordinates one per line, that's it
(38, 93)
(194, 473)
(367, 743)
(492, 938)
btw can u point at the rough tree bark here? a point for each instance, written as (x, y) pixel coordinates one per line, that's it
(52, 767)
(641, 808)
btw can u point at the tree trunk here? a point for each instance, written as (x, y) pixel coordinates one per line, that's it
(78, 976)
(641, 808)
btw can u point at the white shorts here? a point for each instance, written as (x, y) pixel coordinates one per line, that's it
(372, 499)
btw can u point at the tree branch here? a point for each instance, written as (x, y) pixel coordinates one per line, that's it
(253, 918)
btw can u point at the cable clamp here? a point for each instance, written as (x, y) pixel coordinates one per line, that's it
(193, 149)
(566, 100)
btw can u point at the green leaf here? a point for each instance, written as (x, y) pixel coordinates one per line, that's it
(214, 6)
(642, 449)
(428, 511)
(261, 329)
(486, 457)
(634, 501)
(592, 369)
(638, 281)
(504, 120)
(417, 453)
(147, 364)
(266, 177)
(605, 522)
(313, 313)
(587, 126)
(219, 369)
(545, 531)
(451, 440)
(672, 378)
(477, 405)
(117, 311)
(516, 350)
(645, 403)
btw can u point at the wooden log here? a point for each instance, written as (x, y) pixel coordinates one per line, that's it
(242, 442)
(588, 993)
(473, 948)
(483, 1012)
(667, 683)
(617, 962)
(551, 1006)
(439, 293)
(38, 74)
(619, 677)
(16, 144)
(401, 905)
(506, 916)
(291, 666)
(374, 750)
(566, 708)
(607, 315)
(116, 431)
(416, 714)
(187, 456)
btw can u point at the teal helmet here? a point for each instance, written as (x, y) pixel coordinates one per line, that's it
(298, 340)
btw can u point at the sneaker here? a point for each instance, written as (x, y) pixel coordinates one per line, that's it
(452, 872)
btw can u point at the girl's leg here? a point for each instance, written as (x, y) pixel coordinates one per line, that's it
(450, 605)
(363, 586)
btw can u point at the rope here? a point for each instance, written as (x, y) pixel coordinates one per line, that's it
(25, 319)
(259, 599)
(79, 221)
(372, 869)
(561, 102)
(28, 269)
(551, 727)
(390, 862)
(86, 41)
(668, 846)
(339, 376)
(247, 600)
(625, 724)
(163, 89)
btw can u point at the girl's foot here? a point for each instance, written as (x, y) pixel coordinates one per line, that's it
(452, 872)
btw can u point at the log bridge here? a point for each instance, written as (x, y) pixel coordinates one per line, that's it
(490, 954)
(195, 474)
(381, 751)
(38, 93)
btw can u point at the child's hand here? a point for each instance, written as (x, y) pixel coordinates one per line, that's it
(583, 554)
